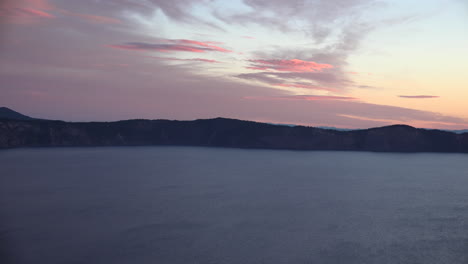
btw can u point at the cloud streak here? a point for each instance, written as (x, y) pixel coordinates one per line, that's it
(305, 86)
(29, 11)
(18, 12)
(293, 65)
(173, 45)
(327, 80)
(193, 59)
(335, 30)
(317, 17)
(25, 11)
(91, 18)
(301, 97)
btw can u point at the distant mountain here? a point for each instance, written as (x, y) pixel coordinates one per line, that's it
(279, 124)
(459, 131)
(222, 132)
(7, 113)
(336, 128)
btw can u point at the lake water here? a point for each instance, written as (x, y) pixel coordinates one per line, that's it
(183, 205)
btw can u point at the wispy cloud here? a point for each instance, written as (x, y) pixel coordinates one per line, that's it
(26, 11)
(331, 79)
(18, 12)
(193, 59)
(29, 11)
(158, 47)
(305, 86)
(293, 65)
(335, 55)
(174, 45)
(180, 10)
(335, 29)
(91, 18)
(301, 97)
(318, 17)
(418, 96)
(207, 44)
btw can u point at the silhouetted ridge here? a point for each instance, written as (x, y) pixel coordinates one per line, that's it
(398, 126)
(7, 113)
(225, 132)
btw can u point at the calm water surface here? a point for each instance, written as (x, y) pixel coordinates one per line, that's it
(181, 205)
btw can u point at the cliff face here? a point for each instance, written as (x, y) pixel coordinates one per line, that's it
(220, 132)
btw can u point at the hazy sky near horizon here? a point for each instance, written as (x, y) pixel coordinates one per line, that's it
(342, 63)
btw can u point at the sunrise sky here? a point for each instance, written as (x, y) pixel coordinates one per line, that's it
(341, 63)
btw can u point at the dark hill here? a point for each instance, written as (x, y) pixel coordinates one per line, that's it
(7, 113)
(222, 132)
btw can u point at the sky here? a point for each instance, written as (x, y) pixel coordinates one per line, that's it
(339, 63)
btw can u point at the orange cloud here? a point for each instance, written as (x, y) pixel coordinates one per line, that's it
(293, 65)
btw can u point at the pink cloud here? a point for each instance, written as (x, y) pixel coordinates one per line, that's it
(92, 18)
(25, 11)
(257, 68)
(248, 37)
(28, 11)
(293, 65)
(19, 12)
(208, 44)
(418, 96)
(301, 97)
(205, 60)
(173, 45)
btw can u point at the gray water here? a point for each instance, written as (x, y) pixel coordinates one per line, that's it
(171, 205)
